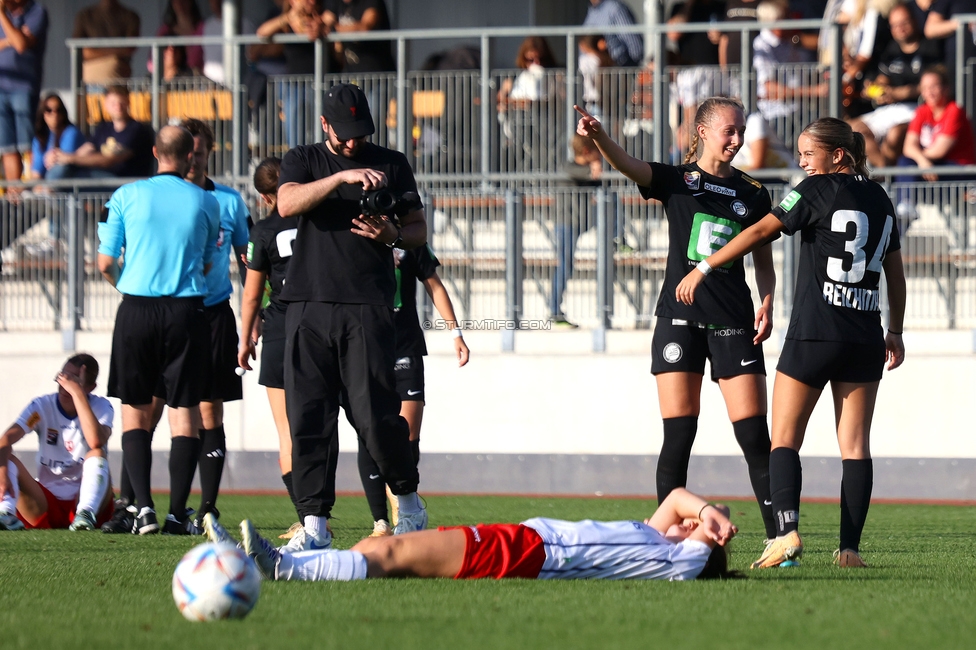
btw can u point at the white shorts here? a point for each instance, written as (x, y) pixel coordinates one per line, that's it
(884, 118)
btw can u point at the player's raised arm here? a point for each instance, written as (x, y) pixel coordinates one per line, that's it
(633, 168)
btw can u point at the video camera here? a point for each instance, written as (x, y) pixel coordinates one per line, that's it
(383, 202)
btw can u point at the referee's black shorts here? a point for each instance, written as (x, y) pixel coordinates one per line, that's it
(272, 373)
(225, 384)
(164, 342)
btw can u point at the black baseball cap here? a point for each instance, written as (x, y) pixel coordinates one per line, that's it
(347, 111)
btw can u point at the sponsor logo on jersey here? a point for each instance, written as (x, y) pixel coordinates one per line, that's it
(739, 208)
(692, 180)
(720, 189)
(672, 353)
(52, 437)
(790, 200)
(250, 251)
(860, 299)
(34, 418)
(710, 233)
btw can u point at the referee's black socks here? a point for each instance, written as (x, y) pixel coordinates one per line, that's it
(785, 478)
(855, 499)
(182, 466)
(672, 462)
(752, 434)
(213, 452)
(137, 459)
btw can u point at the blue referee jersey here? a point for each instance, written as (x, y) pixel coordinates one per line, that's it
(233, 232)
(168, 228)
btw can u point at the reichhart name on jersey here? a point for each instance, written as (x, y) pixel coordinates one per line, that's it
(860, 299)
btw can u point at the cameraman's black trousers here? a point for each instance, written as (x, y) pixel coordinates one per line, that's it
(331, 348)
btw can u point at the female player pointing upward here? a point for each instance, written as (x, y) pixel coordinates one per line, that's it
(847, 226)
(707, 202)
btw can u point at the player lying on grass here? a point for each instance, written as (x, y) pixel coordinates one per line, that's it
(683, 540)
(73, 427)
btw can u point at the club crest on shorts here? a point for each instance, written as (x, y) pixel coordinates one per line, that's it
(692, 180)
(402, 363)
(672, 353)
(739, 208)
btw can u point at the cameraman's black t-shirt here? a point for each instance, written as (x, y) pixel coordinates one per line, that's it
(329, 262)
(417, 264)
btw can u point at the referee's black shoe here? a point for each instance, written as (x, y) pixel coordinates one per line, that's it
(122, 520)
(146, 522)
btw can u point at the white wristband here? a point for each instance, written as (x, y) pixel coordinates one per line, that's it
(457, 332)
(704, 267)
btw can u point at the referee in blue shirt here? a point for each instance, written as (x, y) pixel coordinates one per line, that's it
(168, 229)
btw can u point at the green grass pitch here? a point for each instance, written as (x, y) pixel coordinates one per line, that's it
(89, 590)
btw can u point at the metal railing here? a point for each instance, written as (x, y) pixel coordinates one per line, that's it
(503, 219)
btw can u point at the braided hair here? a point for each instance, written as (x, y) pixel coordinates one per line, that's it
(704, 116)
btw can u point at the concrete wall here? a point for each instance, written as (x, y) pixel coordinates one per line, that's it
(554, 417)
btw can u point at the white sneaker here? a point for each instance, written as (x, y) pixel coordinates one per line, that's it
(10, 522)
(302, 541)
(410, 522)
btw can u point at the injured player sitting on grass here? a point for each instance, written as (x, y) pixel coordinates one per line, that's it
(72, 489)
(683, 540)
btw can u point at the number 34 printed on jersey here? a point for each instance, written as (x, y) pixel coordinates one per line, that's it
(856, 247)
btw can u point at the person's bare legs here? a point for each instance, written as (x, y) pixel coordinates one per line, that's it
(31, 504)
(276, 399)
(422, 554)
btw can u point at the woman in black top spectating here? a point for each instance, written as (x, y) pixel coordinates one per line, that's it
(708, 202)
(846, 222)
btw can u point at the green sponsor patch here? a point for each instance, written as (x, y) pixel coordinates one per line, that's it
(790, 200)
(250, 250)
(710, 233)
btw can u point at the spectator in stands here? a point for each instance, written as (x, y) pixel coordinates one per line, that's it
(174, 63)
(107, 19)
(299, 17)
(120, 148)
(213, 54)
(525, 126)
(762, 148)
(53, 131)
(895, 89)
(343, 16)
(778, 83)
(23, 26)
(593, 56)
(700, 77)
(730, 43)
(625, 49)
(866, 36)
(942, 25)
(572, 220)
(939, 134)
(183, 18)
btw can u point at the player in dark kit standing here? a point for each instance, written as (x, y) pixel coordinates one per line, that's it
(168, 229)
(268, 255)
(413, 265)
(339, 326)
(848, 238)
(707, 203)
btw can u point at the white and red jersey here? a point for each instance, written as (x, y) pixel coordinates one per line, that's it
(61, 445)
(615, 550)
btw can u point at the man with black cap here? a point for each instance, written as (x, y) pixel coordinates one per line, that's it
(340, 287)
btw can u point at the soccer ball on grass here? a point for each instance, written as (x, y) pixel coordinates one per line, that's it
(214, 582)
